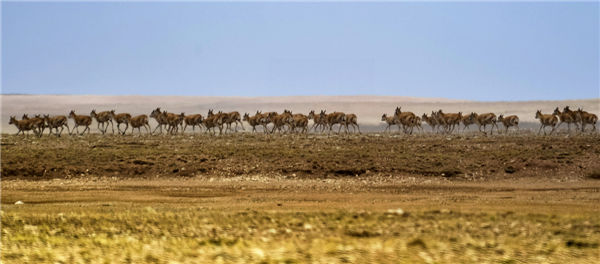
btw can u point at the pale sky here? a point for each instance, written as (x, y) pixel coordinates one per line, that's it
(463, 50)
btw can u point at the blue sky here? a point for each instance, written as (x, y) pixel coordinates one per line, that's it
(463, 50)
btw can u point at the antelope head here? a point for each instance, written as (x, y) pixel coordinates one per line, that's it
(556, 111)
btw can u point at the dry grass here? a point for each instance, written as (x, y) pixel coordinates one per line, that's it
(266, 220)
(250, 199)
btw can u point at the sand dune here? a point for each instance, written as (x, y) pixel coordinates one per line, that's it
(368, 108)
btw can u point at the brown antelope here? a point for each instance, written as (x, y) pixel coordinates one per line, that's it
(467, 121)
(405, 119)
(55, 122)
(333, 119)
(509, 121)
(574, 115)
(213, 121)
(352, 119)
(484, 120)
(586, 118)
(266, 118)
(565, 118)
(546, 120)
(193, 120)
(42, 122)
(430, 120)
(231, 118)
(122, 118)
(318, 121)
(253, 121)
(138, 122)
(22, 125)
(300, 121)
(37, 122)
(448, 120)
(417, 123)
(282, 120)
(390, 121)
(103, 118)
(174, 121)
(81, 120)
(160, 118)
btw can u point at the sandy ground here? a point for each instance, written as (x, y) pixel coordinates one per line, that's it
(368, 108)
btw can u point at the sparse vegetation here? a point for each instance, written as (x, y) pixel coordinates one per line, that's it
(314, 156)
(297, 199)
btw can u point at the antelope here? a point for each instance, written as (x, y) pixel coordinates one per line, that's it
(467, 121)
(282, 120)
(120, 119)
(102, 118)
(42, 122)
(138, 122)
(351, 119)
(212, 121)
(233, 117)
(484, 120)
(300, 121)
(546, 120)
(405, 119)
(266, 118)
(253, 121)
(318, 121)
(174, 121)
(193, 120)
(22, 125)
(390, 121)
(81, 120)
(509, 121)
(55, 122)
(586, 118)
(36, 122)
(449, 120)
(565, 118)
(417, 123)
(430, 120)
(576, 118)
(160, 118)
(334, 118)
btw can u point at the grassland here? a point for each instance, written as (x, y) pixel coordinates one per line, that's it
(290, 199)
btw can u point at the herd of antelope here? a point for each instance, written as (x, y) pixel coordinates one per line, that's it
(287, 122)
(172, 123)
(448, 122)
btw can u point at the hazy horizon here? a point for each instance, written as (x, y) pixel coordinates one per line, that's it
(306, 96)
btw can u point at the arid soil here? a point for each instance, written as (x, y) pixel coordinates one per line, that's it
(301, 199)
(456, 157)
